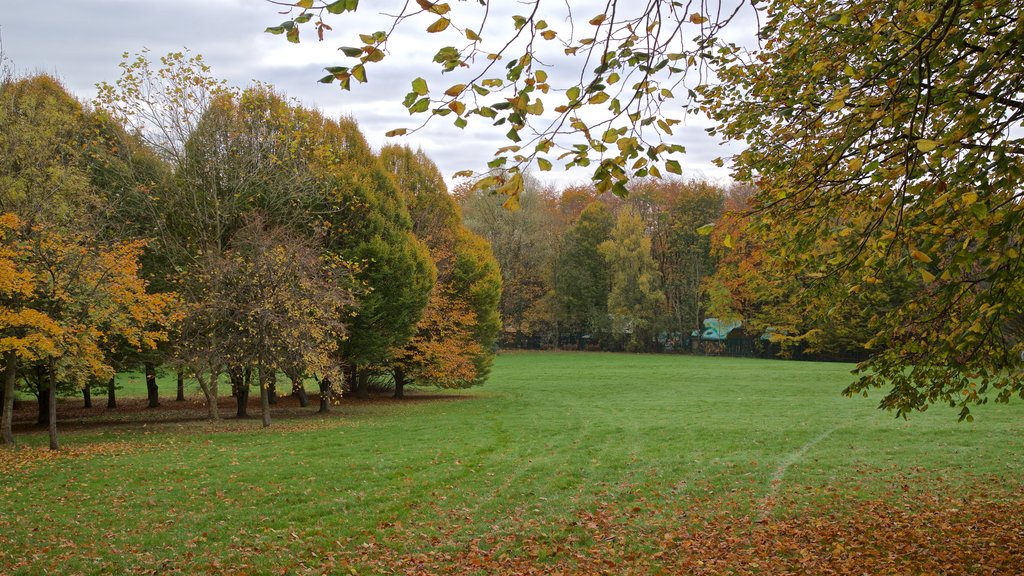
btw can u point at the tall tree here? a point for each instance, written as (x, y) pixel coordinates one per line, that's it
(366, 222)
(890, 133)
(522, 245)
(635, 300)
(675, 211)
(455, 337)
(581, 275)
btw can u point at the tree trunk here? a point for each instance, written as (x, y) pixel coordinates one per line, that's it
(362, 387)
(151, 387)
(43, 395)
(240, 386)
(325, 396)
(399, 383)
(86, 396)
(272, 387)
(264, 378)
(111, 395)
(181, 387)
(10, 376)
(51, 374)
(210, 391)
(299, 390)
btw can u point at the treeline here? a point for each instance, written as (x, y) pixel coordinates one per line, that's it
(591, 271)
(228, 235)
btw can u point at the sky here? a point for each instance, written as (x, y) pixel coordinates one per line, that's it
(81, 42)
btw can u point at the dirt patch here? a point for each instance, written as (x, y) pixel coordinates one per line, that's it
(134, 413)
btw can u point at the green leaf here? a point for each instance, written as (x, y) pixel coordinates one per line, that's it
(673, 167)
(305, 4)
(351, 52)
(927, 145)
(419, 86)
(421, 105)
(706, 229)
(544, 164)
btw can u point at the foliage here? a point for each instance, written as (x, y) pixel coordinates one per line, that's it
(635, 299)
(453, 343)
(581, 277)
(674, 210)
(65, 297)
(270, 301)
(885, 138)
(522, 241)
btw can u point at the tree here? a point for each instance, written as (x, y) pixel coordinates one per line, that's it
(272, 304)
(888, 133)
(674, 210)
(73, 287)
(454, 339)
(366, 222)
(521, 242)
(64, 296)
(453, 346)
(635, 299)
(581, 275)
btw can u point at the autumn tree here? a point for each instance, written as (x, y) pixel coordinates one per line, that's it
(674, 211)
(890, 134)
(74, 286)
(272, 304)
(365, 220)
(635, 299)
(523, 247)
(454, 339)
(581, 274)
(66, 295)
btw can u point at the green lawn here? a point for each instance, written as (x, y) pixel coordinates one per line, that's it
(563, 460)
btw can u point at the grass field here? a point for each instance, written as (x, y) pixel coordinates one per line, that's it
(564, 462)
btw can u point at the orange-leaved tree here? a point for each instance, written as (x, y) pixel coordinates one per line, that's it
(64, 297)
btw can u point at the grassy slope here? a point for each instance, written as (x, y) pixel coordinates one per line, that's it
(550, 439)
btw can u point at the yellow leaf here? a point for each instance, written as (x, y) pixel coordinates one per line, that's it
(926, 145)
(439, 26)
(920, 256)
(926, 275)
(455, 90)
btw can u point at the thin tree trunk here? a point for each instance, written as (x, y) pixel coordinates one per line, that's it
(299, 390)
(399, 383)
(86, 396)
(240, 386)
(325, 396)
(264, 378)
(111, 394)
(210, 392)
(181, 387)
(51, 374)
(272, 387)
(362, 384)
(43, 395)
(10, 376)
(152, 390)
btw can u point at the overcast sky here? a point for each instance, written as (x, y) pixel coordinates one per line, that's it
(81, 42)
